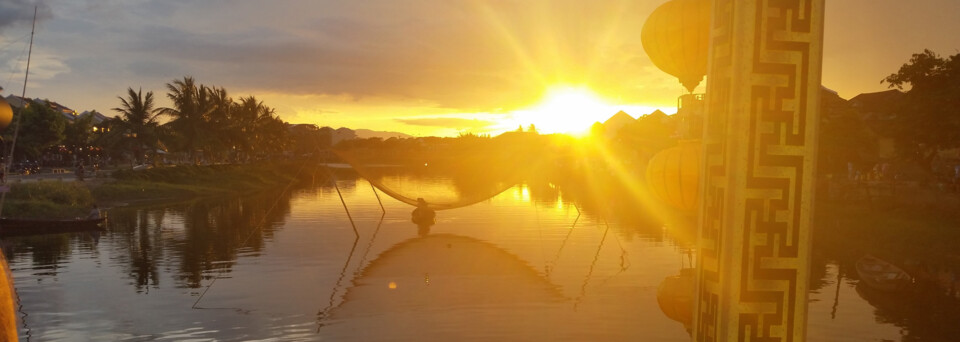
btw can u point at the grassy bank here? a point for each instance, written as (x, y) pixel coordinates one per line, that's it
(48, 200)
(55, 199)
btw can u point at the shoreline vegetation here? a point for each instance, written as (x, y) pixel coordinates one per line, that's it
(912, 221)
(70, 199)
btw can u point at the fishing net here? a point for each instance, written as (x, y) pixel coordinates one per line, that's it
(443, 184)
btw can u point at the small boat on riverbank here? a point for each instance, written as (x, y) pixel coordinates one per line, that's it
(12, 226)
(881, 275)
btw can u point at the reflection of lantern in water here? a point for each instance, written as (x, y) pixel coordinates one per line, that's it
(676, 37)
(673, 175)
(675, 297)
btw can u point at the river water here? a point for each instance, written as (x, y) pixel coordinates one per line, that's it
(525, 265)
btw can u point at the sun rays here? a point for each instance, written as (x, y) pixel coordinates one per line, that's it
(562, 65)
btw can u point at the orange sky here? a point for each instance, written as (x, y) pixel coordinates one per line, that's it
(423, 67)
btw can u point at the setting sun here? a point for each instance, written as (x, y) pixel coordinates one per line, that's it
(570, 110)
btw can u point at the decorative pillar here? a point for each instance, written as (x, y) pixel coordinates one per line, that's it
(760, 147)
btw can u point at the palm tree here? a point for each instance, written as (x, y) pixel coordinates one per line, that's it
(138, 121)
(207, 118)
(192, 106)
(219, 121)
(244, 124)
(272, 132)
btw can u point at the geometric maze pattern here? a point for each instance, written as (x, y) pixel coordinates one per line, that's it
(760, 143)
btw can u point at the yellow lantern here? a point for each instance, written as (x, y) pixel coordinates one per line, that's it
(673, 175)
(8, 317)
(675, 297)
(676, 37)
(6, 113)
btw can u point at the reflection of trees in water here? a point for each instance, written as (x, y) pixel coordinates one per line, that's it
(46, 251)
(589, 173)
(143, 242)
(925, 312)
(818, 272)
(214, 232)
(606, 197)
(547, 181)
(541, 191)
(346, 179)
(470, 183)
(924, 315)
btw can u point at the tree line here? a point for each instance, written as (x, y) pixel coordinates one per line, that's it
(929, 119)
(202, 119)
(921, 119)
(202, 123)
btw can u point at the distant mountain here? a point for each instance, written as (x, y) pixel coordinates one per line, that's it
(366, 133)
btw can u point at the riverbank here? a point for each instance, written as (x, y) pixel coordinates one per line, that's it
(69, 199)
(919, 226)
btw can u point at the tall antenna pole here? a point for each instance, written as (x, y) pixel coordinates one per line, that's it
(23, 99)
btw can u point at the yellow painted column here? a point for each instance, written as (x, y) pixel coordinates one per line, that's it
(760, 147)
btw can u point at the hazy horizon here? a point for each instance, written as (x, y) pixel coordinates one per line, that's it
(420, 68)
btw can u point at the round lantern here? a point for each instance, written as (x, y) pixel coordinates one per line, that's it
(676, 37)
(6, 113)
(8, 317)
(673, 175)
(675, 297)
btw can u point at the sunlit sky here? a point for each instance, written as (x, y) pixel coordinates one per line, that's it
(422, 67)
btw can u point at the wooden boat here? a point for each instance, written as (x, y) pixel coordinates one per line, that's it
(881, 275)
(12, 226)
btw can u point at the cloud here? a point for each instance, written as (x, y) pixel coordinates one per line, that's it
(429, 56)
(468, 56)
(455, 123)
(20, 12)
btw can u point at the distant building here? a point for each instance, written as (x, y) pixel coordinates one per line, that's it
(659, 116)
(15, 101)
(877, 111)
(67, 113)
(877, 106)
(18, 102)
(612, 126)
(97, 117)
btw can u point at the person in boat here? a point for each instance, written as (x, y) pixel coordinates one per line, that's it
(423, 217)
(423, 213)
(94, 213)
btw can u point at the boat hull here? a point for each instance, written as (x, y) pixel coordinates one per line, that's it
(880, 275)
